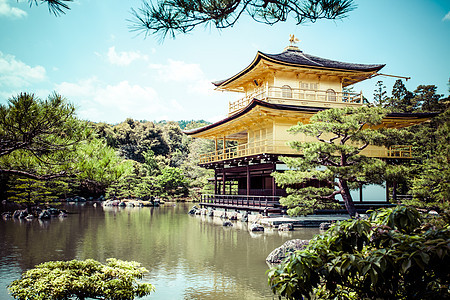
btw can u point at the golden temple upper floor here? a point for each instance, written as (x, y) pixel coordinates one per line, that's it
(296, 78)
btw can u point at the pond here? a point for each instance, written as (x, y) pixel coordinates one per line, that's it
(189, 257)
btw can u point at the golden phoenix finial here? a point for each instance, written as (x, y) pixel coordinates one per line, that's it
(293, 40)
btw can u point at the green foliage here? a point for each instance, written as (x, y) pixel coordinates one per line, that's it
(82, 279)
(427, 177)
(29, 191)
(198, 176)
(171, 182)
(39, 137)
(379, 95)
(424, 99)
(333, 165)
(186, 125)
(133, 139)
(395, 254)
(97, 166)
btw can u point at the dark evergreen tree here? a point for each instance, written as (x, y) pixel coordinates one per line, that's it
(379, 95)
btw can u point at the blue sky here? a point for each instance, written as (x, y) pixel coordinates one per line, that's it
(90, 56)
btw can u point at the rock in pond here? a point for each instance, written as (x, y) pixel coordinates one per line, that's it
(244, 217)
(227, 223)
(233, 216)
(255, 227)
(280, 253)
(286, 227)
(193, 210)
(45, 214)
(210, 212)
(6, 215)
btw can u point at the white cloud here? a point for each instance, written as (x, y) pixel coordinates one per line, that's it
(12, 12)
(447, 17)
(16, 74)
(178, 71)
(124, 58)
(181, 72)
(114, 103)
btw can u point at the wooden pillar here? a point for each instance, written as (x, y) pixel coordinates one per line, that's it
(223, 181)
(215, 147)
(274, 186)
(248, 180)
(223, 148)
(215, 182)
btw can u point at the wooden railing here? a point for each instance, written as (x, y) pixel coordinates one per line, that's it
(257, 147)
(299, 97)
(403, 151)
(242, 200)
(281, 147)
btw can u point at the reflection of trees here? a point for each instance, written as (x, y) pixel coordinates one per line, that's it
(34, 242)
(168, 242)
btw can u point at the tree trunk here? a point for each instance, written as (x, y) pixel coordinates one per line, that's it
(394, 191)
(348, 201)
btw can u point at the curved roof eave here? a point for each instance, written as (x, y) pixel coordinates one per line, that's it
(256, 102)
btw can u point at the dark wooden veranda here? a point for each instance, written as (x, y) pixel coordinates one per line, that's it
(261, 204)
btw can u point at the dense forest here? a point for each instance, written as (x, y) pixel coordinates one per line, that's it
(48, 153)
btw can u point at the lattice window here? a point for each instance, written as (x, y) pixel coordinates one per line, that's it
(331, 95)
(286, 91)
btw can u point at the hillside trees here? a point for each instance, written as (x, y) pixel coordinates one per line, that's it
(133, 138)
(334, 160)
(171, 172)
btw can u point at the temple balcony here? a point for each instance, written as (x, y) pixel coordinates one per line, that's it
(298, 97)
(282, 148)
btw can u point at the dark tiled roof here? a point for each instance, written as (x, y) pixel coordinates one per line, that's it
(298, 58)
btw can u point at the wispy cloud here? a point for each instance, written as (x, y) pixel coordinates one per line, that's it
(16, 74)
(11, 12)
(446, 17)
(124, 58)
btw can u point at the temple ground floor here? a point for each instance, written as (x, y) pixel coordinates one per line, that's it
(247, 184)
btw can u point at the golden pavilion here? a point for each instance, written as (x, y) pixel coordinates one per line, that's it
(279, 91)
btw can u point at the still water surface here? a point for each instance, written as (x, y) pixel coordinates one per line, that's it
(189, 257)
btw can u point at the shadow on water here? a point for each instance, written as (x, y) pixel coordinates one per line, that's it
(189, 257)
